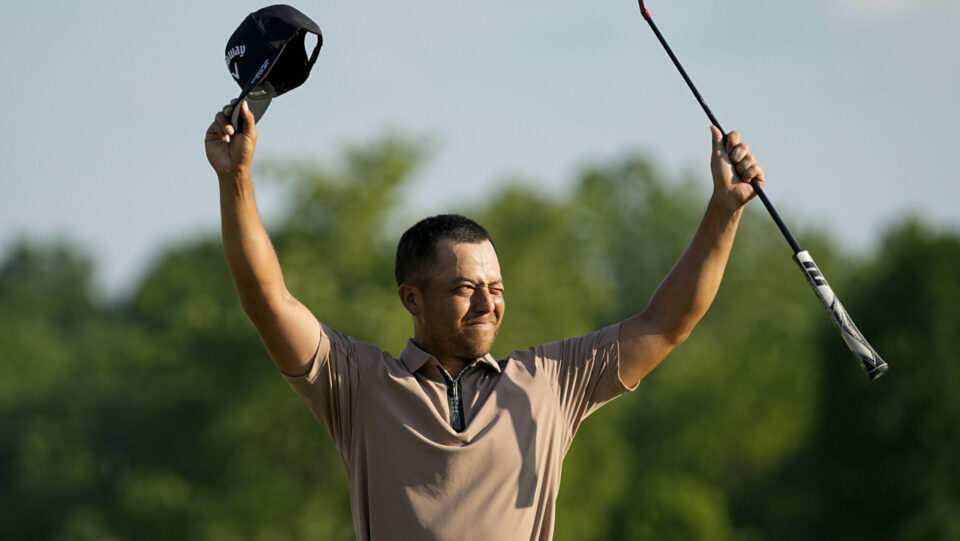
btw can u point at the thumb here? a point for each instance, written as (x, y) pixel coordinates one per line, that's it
(717, 138)
(249, 124)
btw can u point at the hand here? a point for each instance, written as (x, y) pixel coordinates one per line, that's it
(230, 151)
(733, 167)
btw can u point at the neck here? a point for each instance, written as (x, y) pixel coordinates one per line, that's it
(454, 366)
(451, 363)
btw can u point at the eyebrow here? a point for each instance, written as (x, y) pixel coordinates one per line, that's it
(461, 279)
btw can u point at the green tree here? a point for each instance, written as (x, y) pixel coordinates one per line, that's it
(162, 416)
(882, 463)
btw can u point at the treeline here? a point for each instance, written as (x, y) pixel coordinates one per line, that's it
(161, 416)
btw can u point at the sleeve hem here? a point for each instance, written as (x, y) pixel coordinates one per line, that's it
(310, 376)
(617, 382)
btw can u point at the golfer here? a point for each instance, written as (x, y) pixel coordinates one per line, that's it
(447, 442)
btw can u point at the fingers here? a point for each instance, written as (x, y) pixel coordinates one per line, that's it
(743, 160)
(749, 173)
(733, 139)
(213, 133)
(221, 128)
(739, 153)
(216, 131)
(744, 163)
(223, 118)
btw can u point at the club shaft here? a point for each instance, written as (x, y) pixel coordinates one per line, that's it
(713, 119)
(868, 357)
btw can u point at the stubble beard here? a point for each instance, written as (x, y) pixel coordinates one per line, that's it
(476, 346)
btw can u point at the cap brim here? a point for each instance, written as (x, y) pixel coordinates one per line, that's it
(258, 91)
(258, 105)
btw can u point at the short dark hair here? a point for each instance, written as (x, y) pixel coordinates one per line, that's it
(417, 249)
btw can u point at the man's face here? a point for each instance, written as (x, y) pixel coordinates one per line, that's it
(462, 301)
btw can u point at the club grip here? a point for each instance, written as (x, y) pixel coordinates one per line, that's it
(868, 357)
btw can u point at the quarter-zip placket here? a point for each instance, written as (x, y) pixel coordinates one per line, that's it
(455, 397)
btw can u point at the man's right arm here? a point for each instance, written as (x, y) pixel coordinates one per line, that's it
(288, 329)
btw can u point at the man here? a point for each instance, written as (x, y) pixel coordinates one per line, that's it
(447, 442)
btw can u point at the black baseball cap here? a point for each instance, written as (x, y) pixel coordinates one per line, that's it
(267, 56)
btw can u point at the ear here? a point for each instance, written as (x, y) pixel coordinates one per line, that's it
(412, 299)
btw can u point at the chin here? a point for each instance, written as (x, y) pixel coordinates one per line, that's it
(479, 346)
(485, 348)
(473, 341)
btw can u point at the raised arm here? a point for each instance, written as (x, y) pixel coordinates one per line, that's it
(288, 329)
(688, 290)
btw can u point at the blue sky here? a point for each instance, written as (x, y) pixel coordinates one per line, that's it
(850, 105)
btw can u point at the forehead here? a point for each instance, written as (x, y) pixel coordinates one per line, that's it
(475, 261)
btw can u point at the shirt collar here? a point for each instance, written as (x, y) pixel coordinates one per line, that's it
(414, 358)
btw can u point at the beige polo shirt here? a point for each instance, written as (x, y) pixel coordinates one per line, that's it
(413, 476)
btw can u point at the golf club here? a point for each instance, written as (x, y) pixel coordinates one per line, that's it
(868, 357)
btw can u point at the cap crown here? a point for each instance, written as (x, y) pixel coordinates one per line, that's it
(266, 54)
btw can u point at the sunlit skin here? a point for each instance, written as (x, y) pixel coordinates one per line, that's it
(458, 309)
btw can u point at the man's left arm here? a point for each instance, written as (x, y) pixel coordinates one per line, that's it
(686, 293)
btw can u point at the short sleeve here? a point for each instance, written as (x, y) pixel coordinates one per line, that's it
(585, 372)
(330, 386)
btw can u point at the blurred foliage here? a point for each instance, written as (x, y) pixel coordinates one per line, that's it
(161, 416)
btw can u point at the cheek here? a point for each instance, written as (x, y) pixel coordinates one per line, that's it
(450, 311)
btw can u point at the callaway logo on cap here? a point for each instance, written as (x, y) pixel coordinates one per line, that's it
(266, 56)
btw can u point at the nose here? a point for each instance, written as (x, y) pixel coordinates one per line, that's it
(483, 301)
